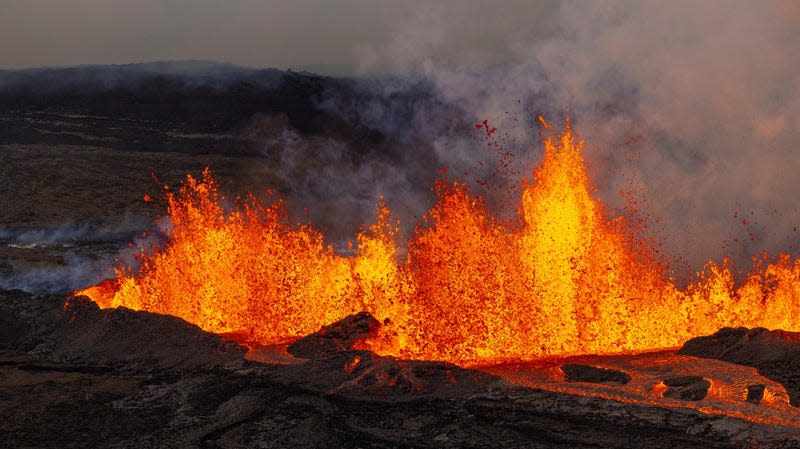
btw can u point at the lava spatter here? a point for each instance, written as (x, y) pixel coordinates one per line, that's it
(566, 278)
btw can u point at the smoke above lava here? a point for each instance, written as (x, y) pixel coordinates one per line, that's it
(694, 106)
(692, 109)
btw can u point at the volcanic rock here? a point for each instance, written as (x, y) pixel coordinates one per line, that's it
(336, 369)
(337, 337)
(775, 354)
(687, 388)
(133, 340)
(362, 375)
(11, 329)
(755, 393)
(23, 316)
(119, 378)
(574, 372)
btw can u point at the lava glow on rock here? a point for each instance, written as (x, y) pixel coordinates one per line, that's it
(566, 279)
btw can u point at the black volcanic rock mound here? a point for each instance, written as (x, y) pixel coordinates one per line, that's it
(337, 337)
(24, 316)
(745, 346)
(336, 369)
(775, 354)
(687, 388)
(134, 340)
(575, 372)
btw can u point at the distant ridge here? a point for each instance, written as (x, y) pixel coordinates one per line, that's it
(194, 73)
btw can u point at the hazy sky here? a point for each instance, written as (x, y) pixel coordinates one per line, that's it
(333, 36)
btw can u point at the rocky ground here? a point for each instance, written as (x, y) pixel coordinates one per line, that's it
(79, 376)
(775, 354)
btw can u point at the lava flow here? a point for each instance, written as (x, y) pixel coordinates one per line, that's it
(567, 279)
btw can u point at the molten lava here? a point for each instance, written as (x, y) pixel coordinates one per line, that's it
(567, 279)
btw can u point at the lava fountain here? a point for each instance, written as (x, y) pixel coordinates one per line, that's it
(565, 278)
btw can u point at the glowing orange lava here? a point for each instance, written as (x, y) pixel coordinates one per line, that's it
(567, 279)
